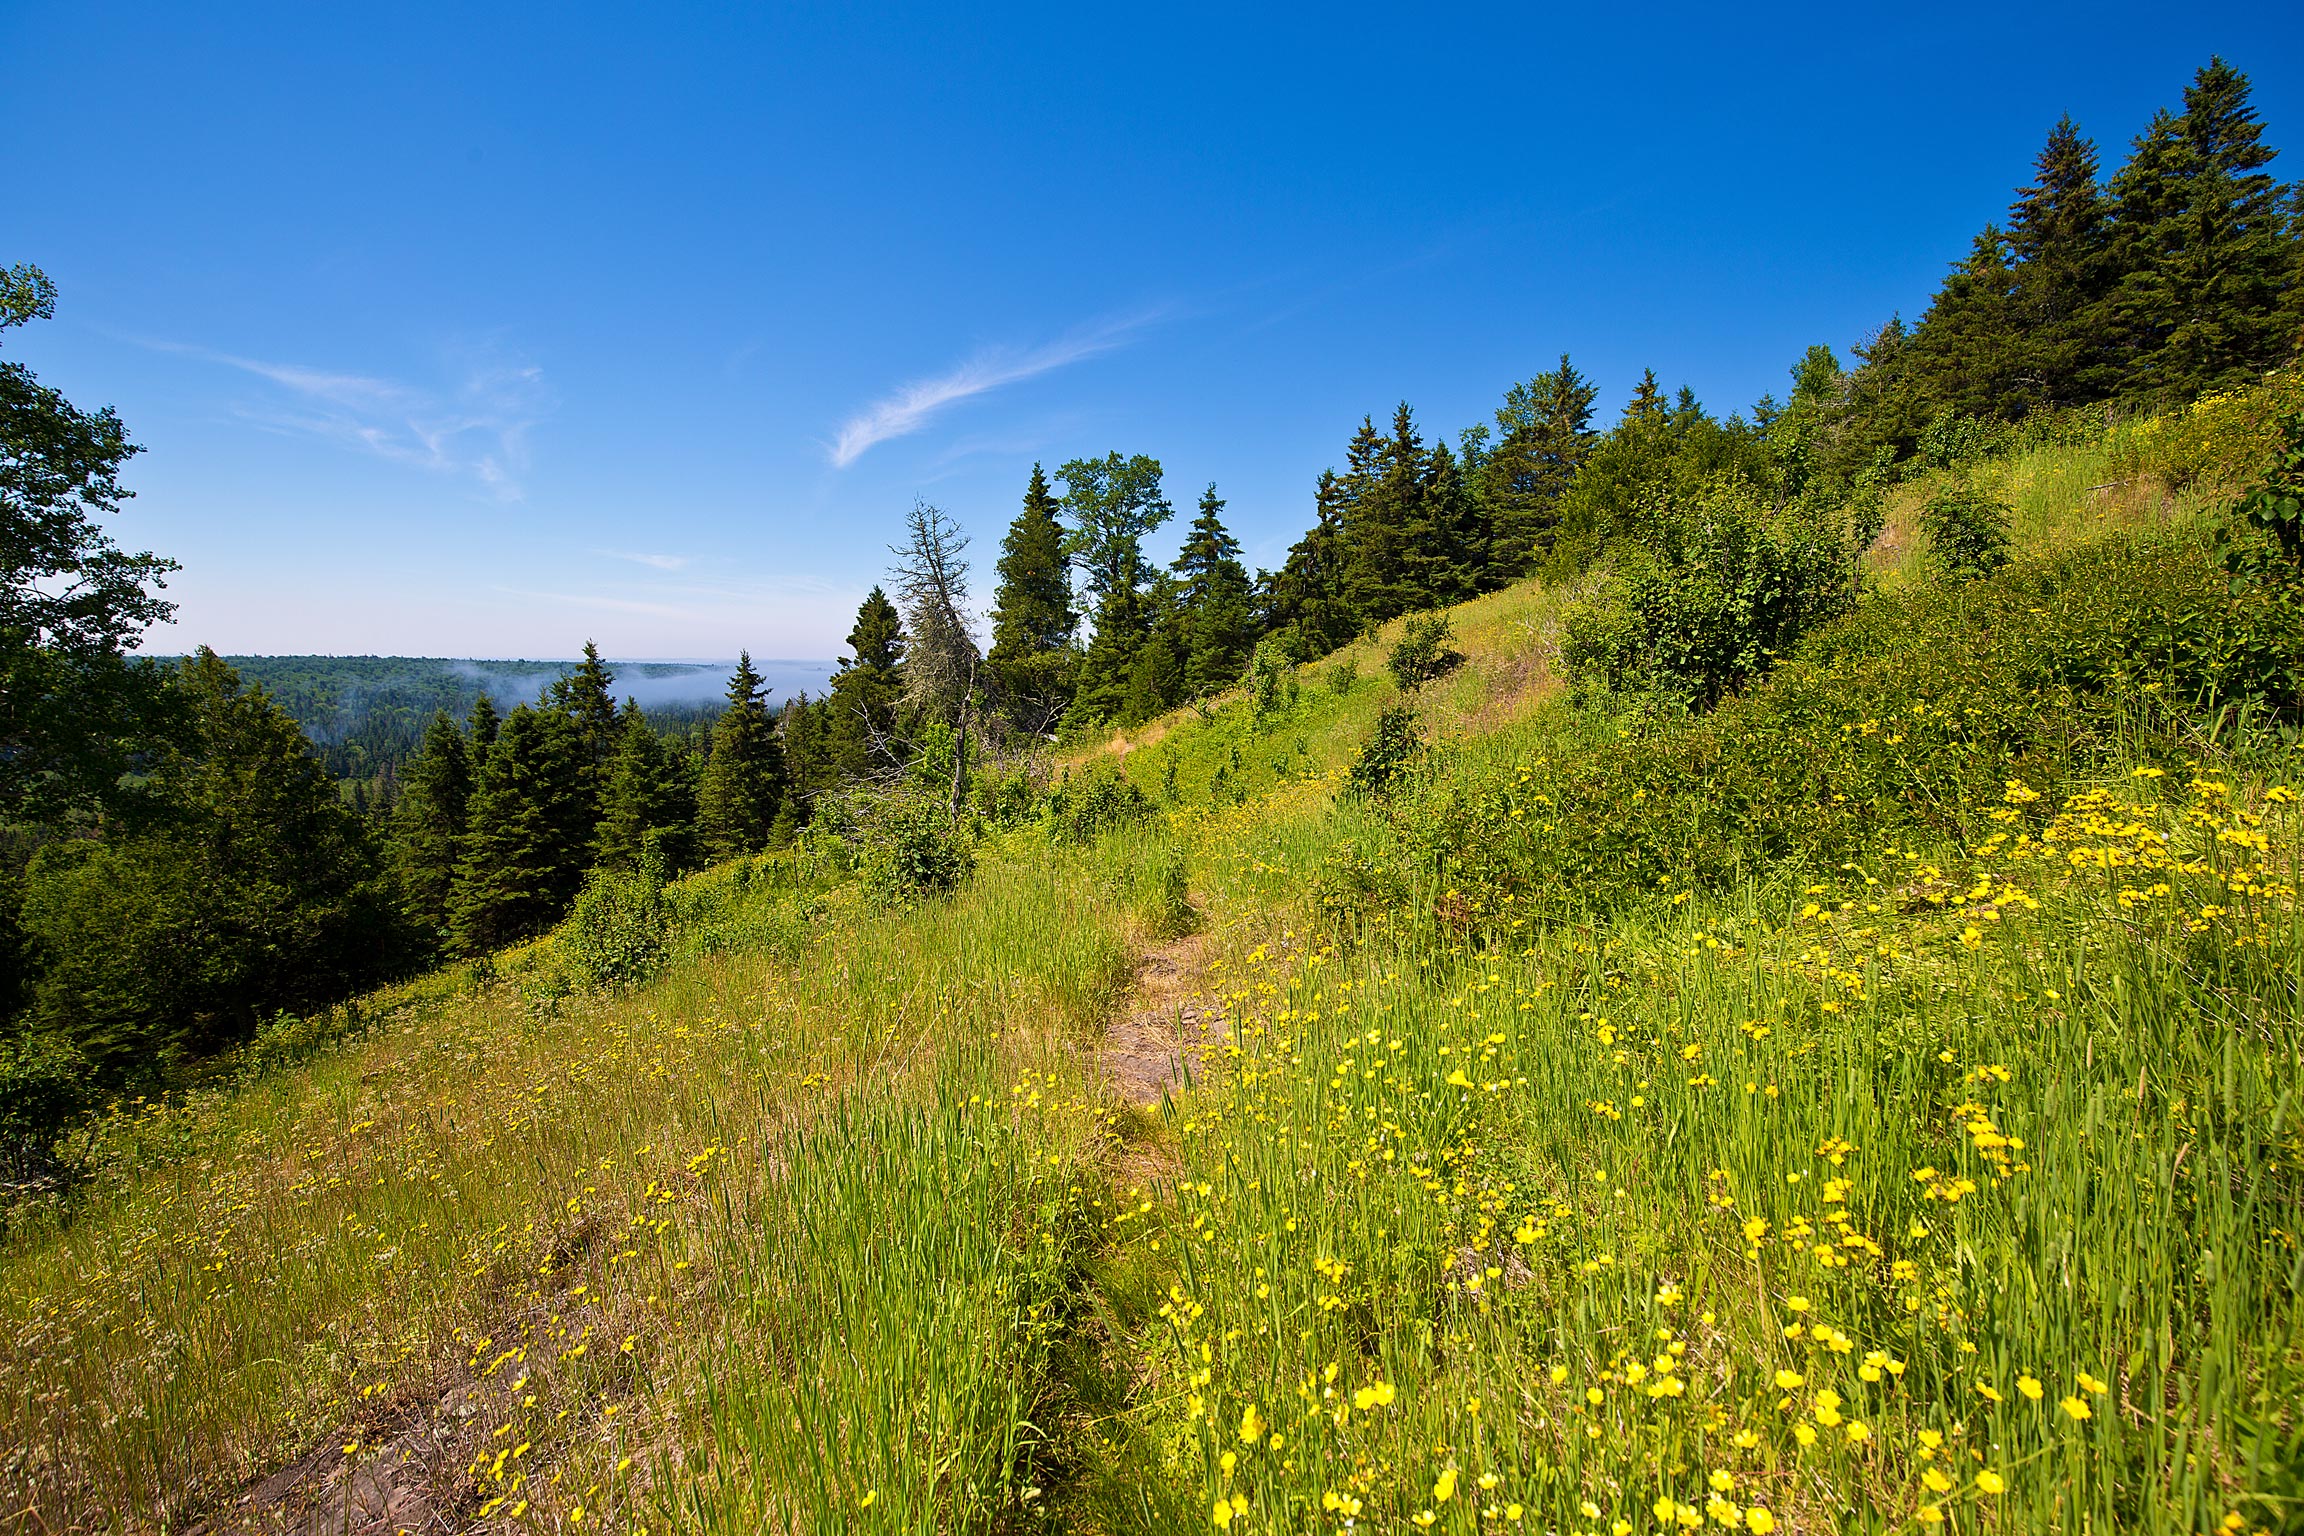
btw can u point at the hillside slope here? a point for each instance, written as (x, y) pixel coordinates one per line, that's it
(1869, 1106)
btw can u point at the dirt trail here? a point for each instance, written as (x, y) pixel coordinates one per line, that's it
(1164, 1024)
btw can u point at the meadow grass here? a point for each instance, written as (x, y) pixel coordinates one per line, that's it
(568, 1258)
(1956, 1195)
(1949, 1183)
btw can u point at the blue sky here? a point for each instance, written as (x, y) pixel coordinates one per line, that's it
(485, 330)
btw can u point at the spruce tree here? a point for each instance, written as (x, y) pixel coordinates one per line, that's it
(1033, 620)
(649, 795)
(428, 825)
(1212, 594)
(2228, 274)
(1305, 602)
(809, 768)
(2059, 235)
(743, 784)
(1969, 356)
(867, 692)
(1155, 678)
(482, 727)
(1124, 620)
(1544, 431)
(525, 843)
(584, 696)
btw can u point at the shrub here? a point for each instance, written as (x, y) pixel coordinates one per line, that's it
(1954, 439)
(1705, 599)
(620, 929)
(1344, 676)
(1267, 668)
(1967, 530)
(1423, 652)
(1902, 724)
(1388, 754)
(44, 1088)
(914, 850)
(1094, 802)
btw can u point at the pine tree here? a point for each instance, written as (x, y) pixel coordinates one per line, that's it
(1305, 601)
(1212, 592)
(867, 692)
(428, 825)
(1966, 343)
(1544, 433)
(482, 727)
(2231, 269)
(584, 696)
(1033, 620)
(743, 783)
(649, 795)
(525, 844)
(809, 768)
(2059, 236)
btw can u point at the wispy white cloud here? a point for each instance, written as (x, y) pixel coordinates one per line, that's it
(909, 408)
(476, 427)
(653, 562)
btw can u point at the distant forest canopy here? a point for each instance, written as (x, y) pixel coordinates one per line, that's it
(365, 715)
(178, 864)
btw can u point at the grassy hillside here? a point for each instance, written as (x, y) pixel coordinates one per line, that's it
(1871, 1106)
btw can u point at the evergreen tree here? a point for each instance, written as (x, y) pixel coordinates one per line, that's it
(743, 785)
(1124, 620)
(482, 727)
(867, 692)
(1305, 601)
(1544, 432)
(649, 795)
(809, 767)
(428, 825)
(525, 843)
(1033, 620)
(1212, 592)
(1155, 678)
(255, 890)
(1967, 349)
(1111, 504)
(2224, 273)
(584, 696)
(2059, 234)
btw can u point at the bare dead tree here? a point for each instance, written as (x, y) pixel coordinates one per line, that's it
(941, 661)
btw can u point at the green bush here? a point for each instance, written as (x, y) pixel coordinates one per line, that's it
(1344, 676)
(1387, 755)
(1423, 652)
(1704, 599)
(1267, 670)
(44, 1088)
(913, 850)
(620, 930)
(1967, 530)
(1093, 802)
(1902, 725)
